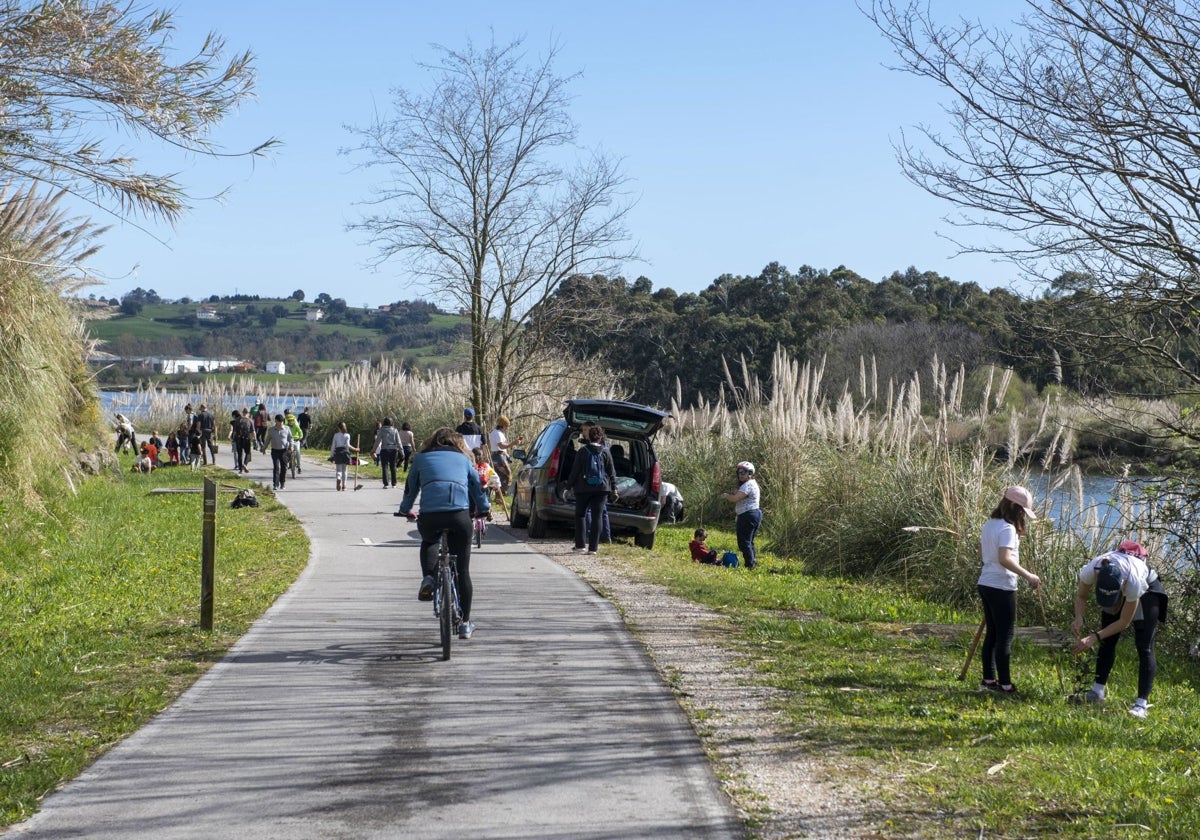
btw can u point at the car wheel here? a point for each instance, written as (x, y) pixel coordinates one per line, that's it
(644, 540)
(537, 523)
(517, 519)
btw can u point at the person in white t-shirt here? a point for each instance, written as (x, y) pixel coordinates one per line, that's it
(1000, 550)
(498, 445)
(749, 514)
(1128, 592)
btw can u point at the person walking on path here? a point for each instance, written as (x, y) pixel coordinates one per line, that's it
(593, 480)
(304, 419)
(339, 453)
(279, 437)
(472, 432)
(1128, 591)
(749, 515)
(444, 477)
(262, 422)
(408, 445)
(293, 425)
(208, 429)
(241, 439)
(387, 447)
(1000, 551)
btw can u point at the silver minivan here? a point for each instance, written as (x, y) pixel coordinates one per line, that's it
(540, 491)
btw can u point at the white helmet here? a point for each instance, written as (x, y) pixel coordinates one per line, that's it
(746, 466)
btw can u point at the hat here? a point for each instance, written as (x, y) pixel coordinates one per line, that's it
(1020, 496)
(746, 466)
(468, 412)
(1108, 584)
(1131, 547)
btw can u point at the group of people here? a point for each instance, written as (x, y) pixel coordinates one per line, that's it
(1127, 591)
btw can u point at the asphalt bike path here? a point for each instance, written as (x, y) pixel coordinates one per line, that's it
(335, 716)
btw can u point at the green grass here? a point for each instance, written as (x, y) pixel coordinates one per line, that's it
(99, 610)
(869, 681)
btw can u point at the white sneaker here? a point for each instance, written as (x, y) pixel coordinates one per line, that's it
(1139, 711)
(466, 629)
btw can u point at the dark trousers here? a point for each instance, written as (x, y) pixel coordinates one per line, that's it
(387, 460)
(279, 466)
(406, 457)
(241, 453)
(594, 504)
(1143, 639)
(206, 446)
(458, 524)
(1000, 617)
(605, 526)
(747, 527)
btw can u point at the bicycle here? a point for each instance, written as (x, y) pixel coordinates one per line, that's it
(480, 531)
(294, 458)
(445, 596)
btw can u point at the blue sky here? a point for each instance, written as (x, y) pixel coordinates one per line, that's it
(750, 132)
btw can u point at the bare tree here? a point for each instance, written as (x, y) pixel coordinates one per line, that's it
(68, 67)
(483, 197)
(1080, 137)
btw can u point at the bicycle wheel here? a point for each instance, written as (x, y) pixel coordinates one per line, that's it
(445, 609)
(479, 533)
(294, 460)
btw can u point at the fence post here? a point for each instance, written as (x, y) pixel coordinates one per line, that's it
(207, 554)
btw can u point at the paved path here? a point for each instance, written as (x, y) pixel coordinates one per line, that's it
(334, 717)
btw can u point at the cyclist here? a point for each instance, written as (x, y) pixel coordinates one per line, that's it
(293, 425)
(443, 475)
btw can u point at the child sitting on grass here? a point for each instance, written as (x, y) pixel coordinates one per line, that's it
(701, 553)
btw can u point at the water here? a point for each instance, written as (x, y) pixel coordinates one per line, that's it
(138, 404)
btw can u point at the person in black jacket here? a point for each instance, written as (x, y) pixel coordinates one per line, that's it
(594, 480)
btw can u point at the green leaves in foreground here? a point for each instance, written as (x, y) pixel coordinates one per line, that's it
(869, 682)
(99, 614)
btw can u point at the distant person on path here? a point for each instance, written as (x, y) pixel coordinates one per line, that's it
(498, 445)
(1000, 551)
(262, 422)
(387, 447)
(241, 439)
(208, 428)
(445, 479)
(407, 445)
(472, 432)
(749, 515)
(339, 453)
(293, 425)
(1128, 591)
(593, 480)
(280, 438)
(194, 443)
(305, 421)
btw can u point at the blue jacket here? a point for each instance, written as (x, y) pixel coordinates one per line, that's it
(446, 481)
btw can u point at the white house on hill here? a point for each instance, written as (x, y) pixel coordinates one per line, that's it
(314, 314)
(276, 367)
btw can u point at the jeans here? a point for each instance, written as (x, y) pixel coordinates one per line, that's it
(387, 460)
(279, 466)
(460, 527)
(1000, 616)
(241, 453)
(747, 527)
(595, 504)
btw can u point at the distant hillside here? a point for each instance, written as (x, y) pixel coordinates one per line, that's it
(271, 329)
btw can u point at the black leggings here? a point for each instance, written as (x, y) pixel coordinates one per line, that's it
(459, 525)
(1143, 639)
(387, 463)
(1000, 614)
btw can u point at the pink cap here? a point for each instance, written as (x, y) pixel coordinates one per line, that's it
(1019, 495)
(1131, 547)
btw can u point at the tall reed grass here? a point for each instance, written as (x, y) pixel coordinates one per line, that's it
(888, 482)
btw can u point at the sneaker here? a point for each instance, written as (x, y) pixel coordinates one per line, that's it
(580, 548)
(466, 629)
(1090, 696)
(1007, 690)
(989, 685)
(1139, 710)
(425, 593)
(592, 551)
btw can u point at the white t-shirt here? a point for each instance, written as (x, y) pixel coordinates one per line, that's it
(1135, 574)
(750, 488)
(496, 438)
(995, 535)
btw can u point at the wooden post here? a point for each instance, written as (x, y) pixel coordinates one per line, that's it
(207, 554)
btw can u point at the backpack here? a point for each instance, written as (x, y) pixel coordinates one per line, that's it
(593, 472)
(246, 498)
(245, 428)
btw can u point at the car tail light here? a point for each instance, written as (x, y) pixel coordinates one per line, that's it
(655, 478)
(552, 469)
